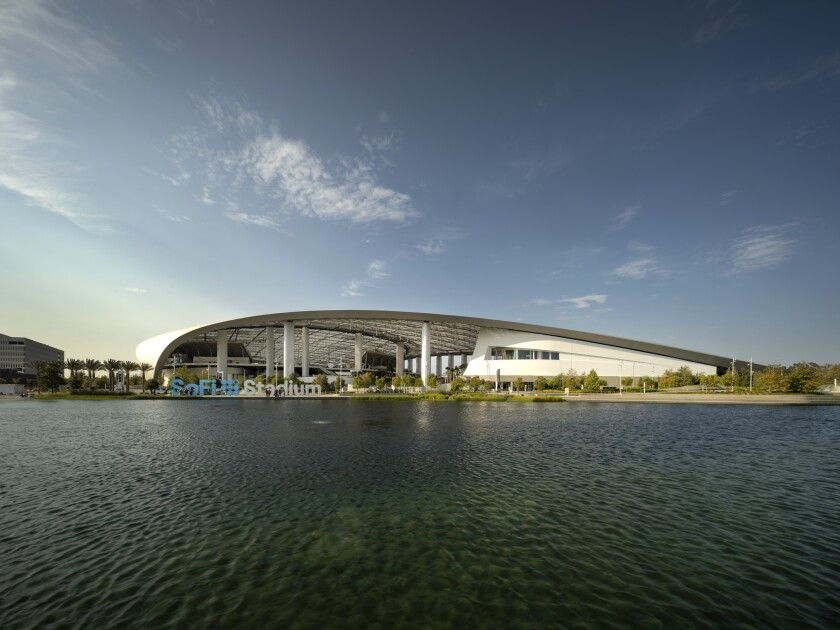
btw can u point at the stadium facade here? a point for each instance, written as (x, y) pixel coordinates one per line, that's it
(334, 343)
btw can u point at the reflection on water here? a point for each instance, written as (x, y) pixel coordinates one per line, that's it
(327, 514)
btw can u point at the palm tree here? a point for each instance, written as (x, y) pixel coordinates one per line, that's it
(91, 365)
(144, 367)
(38, 366)
(129, 367)
(73, 365)
(112, 365)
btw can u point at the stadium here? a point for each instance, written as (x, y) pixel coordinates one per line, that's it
(342, 342)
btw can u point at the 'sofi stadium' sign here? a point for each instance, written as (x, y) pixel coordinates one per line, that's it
(230, 387)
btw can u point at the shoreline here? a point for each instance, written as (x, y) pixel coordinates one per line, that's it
(612, 398)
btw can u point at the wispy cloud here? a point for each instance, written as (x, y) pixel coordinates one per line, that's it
(727, 197)
(539, 302)
(376, 270)
(135, 290)
(432, 247)
(821, 69)
(384, 118)
(235, 150)
(623, 218)
(585, 301)
(637, 269)
(353, 289)
(258, 220)
(762, 247)
(378, 143)
(722, 20)
(34, 162)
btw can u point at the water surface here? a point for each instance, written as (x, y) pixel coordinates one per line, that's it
(351, 514)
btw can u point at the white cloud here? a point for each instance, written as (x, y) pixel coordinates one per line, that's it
(254, 219)
(538, 302)
(34, 162)
(135, 290)
(234, 150)
(762, 247)
(637, 269)
(728, 196)
(378, 143)
(625, 216)
(353, 289)
(384, 118)
(432, 247)
(376, 269)
(585, 301)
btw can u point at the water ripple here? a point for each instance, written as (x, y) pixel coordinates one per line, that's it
(266, 513)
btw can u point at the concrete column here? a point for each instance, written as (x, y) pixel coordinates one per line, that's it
(288, 348)
(304, 351)
(425, 352)
(221, 354)
(452, 365)
(358, 353)
(400, 349)
(269, 351)
(463, 359)
(439, 365)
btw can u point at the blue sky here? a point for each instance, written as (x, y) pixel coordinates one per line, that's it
(659, 171)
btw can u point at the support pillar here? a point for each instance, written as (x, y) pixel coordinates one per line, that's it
(452, 365)
(288, 349)
(269, 351)
(463, 359)
(304, 351)
(425, 352)
(221, 353)
(400, 362)
(439, 365)
(358, 353)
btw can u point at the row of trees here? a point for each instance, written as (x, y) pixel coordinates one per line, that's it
(799, 378)
(49, 375)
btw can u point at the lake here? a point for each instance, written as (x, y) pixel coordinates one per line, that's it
(313, 514)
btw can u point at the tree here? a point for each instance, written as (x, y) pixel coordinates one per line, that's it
(74, 366)
(92, 365)
(53, 375)
(433, 380)
(144, 367)
(380, 383)
(709, 380)
(803, 378)
(38, 366)
(338, 384)
(540, 383)
(572, 380)
(457, 384)
(396, 381)
(592, 382)
(518, 384)
(728, 380)
(627, 381)
(111, 365)
(152, 384)
(476, 383)
(357, 382)
(185, 374)
(647, 382)
(772, 379)
(129, 367)
(322, 381)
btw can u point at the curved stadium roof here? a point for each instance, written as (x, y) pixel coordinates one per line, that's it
(332, 335)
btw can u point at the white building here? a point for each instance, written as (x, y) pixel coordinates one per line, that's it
(308, 342)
